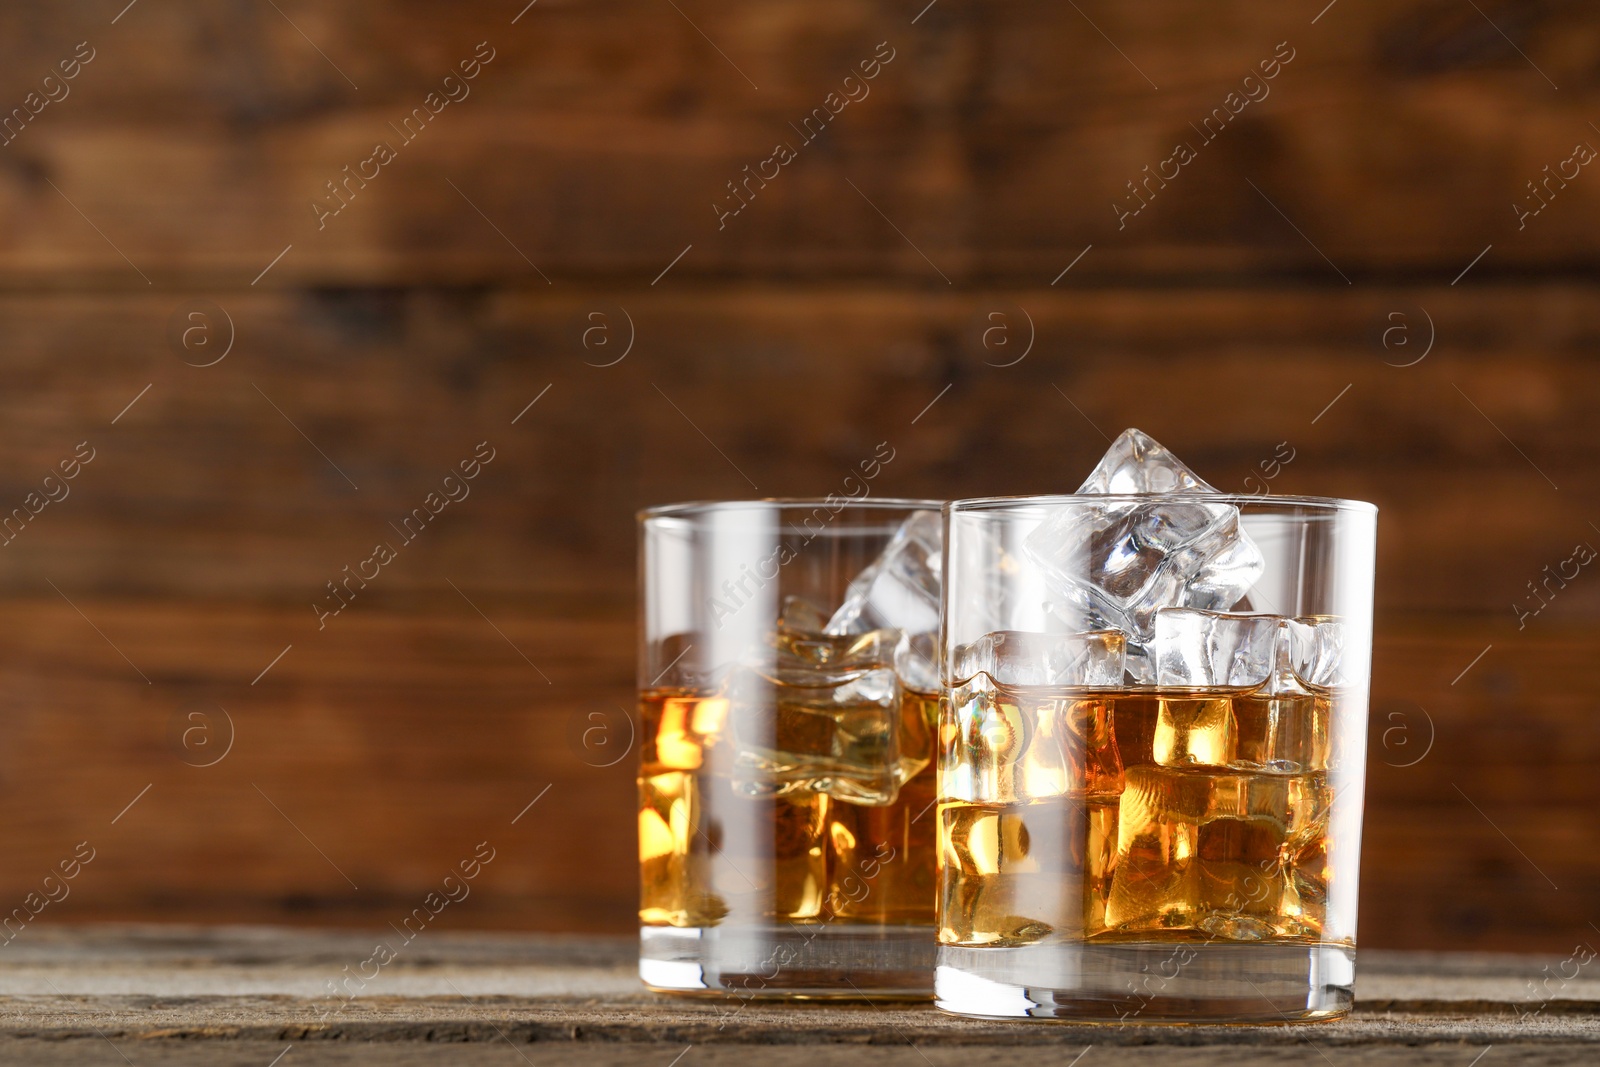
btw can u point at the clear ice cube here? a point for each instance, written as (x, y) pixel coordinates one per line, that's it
(1022, 744)
(1209, 648)
(828, 714)
(1231, 855)
(1025, 870)
(1012, 657)
(1282, 668)
(820, 732)
(1247, 650)
(1138, 463)
(1017, 742)
(807, 657)
(1119, 563)
(916, 661)
(1316, 647)
(900, 590)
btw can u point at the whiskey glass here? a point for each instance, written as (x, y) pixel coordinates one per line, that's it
(1158, 821)
(788, 695)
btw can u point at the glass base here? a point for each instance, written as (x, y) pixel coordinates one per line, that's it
(835, 962)
(1149, 982)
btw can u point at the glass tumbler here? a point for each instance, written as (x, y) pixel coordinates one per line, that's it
(788, 696)
(1150, 786)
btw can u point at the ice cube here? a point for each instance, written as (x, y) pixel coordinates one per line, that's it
(1023, 870)
(811, 658)
(1195, 732)
(1152, 884)
(916, 661)
(1283, 667)
(831, 707)
(827, 714)
(990, 734)
(678, 669)
(1210, 648)
(1316, 646)
(1117, 564)
(1018, 743)
(833, 731)
(1021, 744)
(900, 590)
(1138, 463)
(1218, 853)
(1247, 650)
(1012, 657)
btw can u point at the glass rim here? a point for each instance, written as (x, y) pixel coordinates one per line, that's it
(1314, 503)
(702, 507)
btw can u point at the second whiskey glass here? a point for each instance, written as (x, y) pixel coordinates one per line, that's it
(788, 696)
(1163, 825)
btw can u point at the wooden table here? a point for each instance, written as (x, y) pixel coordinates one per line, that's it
(191, 995)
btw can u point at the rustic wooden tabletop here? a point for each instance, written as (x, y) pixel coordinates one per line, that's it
(189, 995)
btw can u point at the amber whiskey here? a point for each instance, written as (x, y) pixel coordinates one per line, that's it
(1134, 814)
(765, 801)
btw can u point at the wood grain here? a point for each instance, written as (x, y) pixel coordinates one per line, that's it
(214, 492)
(1396, 142)
(244, 995)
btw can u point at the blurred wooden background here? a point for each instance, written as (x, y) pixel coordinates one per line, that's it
(1275, 290)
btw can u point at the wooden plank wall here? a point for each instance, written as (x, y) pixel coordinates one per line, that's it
(1341, 265)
